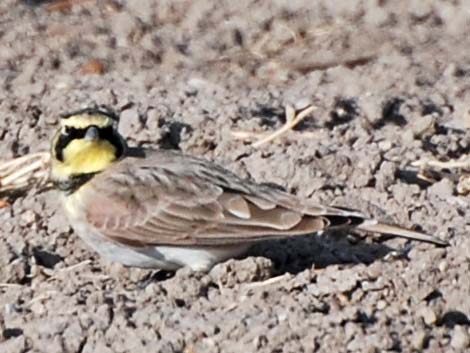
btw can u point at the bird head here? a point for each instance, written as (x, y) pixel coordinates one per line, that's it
(86, 143)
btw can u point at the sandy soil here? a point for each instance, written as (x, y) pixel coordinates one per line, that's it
(391, 83)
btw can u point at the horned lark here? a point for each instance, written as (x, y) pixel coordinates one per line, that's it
(163, 209)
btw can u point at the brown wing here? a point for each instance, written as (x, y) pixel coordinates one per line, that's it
(168, 198)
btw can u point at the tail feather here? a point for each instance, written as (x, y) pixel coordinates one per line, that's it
(374, 226)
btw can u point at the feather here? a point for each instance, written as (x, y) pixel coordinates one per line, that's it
(376, 227)
(209, 211)
(235, 204)
(260, 203)
(173, 199)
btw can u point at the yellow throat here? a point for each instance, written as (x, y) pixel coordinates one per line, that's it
(84, 157)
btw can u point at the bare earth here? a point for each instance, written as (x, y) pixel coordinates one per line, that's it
(391, 82)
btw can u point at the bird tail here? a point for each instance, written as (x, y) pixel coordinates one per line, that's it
(376, 227)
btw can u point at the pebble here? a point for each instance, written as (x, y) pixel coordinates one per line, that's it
(351, 330)
(385, 145)
(123, 24)
(374, 271)
(428, 315)
(153, 117)
(422, 125)
(9, 308)
(460, 338)
(420, 9)
(418, 340)
(129, 122)
(381, 304)
(442, 189)
(28, 218)
(443, 266)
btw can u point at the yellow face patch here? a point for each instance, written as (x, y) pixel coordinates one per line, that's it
(84, 157)
(82, 121)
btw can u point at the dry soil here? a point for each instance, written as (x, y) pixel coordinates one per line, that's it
(391, 82)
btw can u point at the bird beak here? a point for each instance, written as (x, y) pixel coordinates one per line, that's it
(92, 134)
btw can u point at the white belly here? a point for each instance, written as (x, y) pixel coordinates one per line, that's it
(166, 257)
(197, 258)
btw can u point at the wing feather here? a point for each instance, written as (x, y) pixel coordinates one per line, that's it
(157, 201)
(171, 199)
(235, 204)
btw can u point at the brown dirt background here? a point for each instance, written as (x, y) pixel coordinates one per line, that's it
(391, 82)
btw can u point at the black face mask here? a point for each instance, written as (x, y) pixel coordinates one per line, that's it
(72, 133)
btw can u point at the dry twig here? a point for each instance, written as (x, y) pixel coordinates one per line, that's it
(426, 166)
(268, 282)
(463, 163)
(23, 172)
(292, 120)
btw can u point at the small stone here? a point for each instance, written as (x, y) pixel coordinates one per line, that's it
(28, 218)
(260, 341)
(450, 70)
(418, 340)
(422, 125)
(463, 187)
(386, 175)
(93, 67)
(129, 123)
(355, 345)
(251, 269)
(371, 110)
(407, 137)
(428, 315)
(38, 308)
(443, 266)
(443, 189)
(420, 9)
(123, 25)
(152, 121)
(15, 344)
(351, 329)
(374, 271)
(460, 338)
(142, 9)
(381, 304)
(385, 145)
(9, 309)
(194, 84)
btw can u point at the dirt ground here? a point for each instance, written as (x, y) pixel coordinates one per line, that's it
(391, 82)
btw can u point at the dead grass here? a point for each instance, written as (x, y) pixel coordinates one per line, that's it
(293, 118)
(458, 168)
(24, 172)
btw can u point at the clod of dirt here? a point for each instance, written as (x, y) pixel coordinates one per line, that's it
(460, 338)
(234, 272)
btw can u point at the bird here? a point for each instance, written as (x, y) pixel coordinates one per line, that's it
(163, 209)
